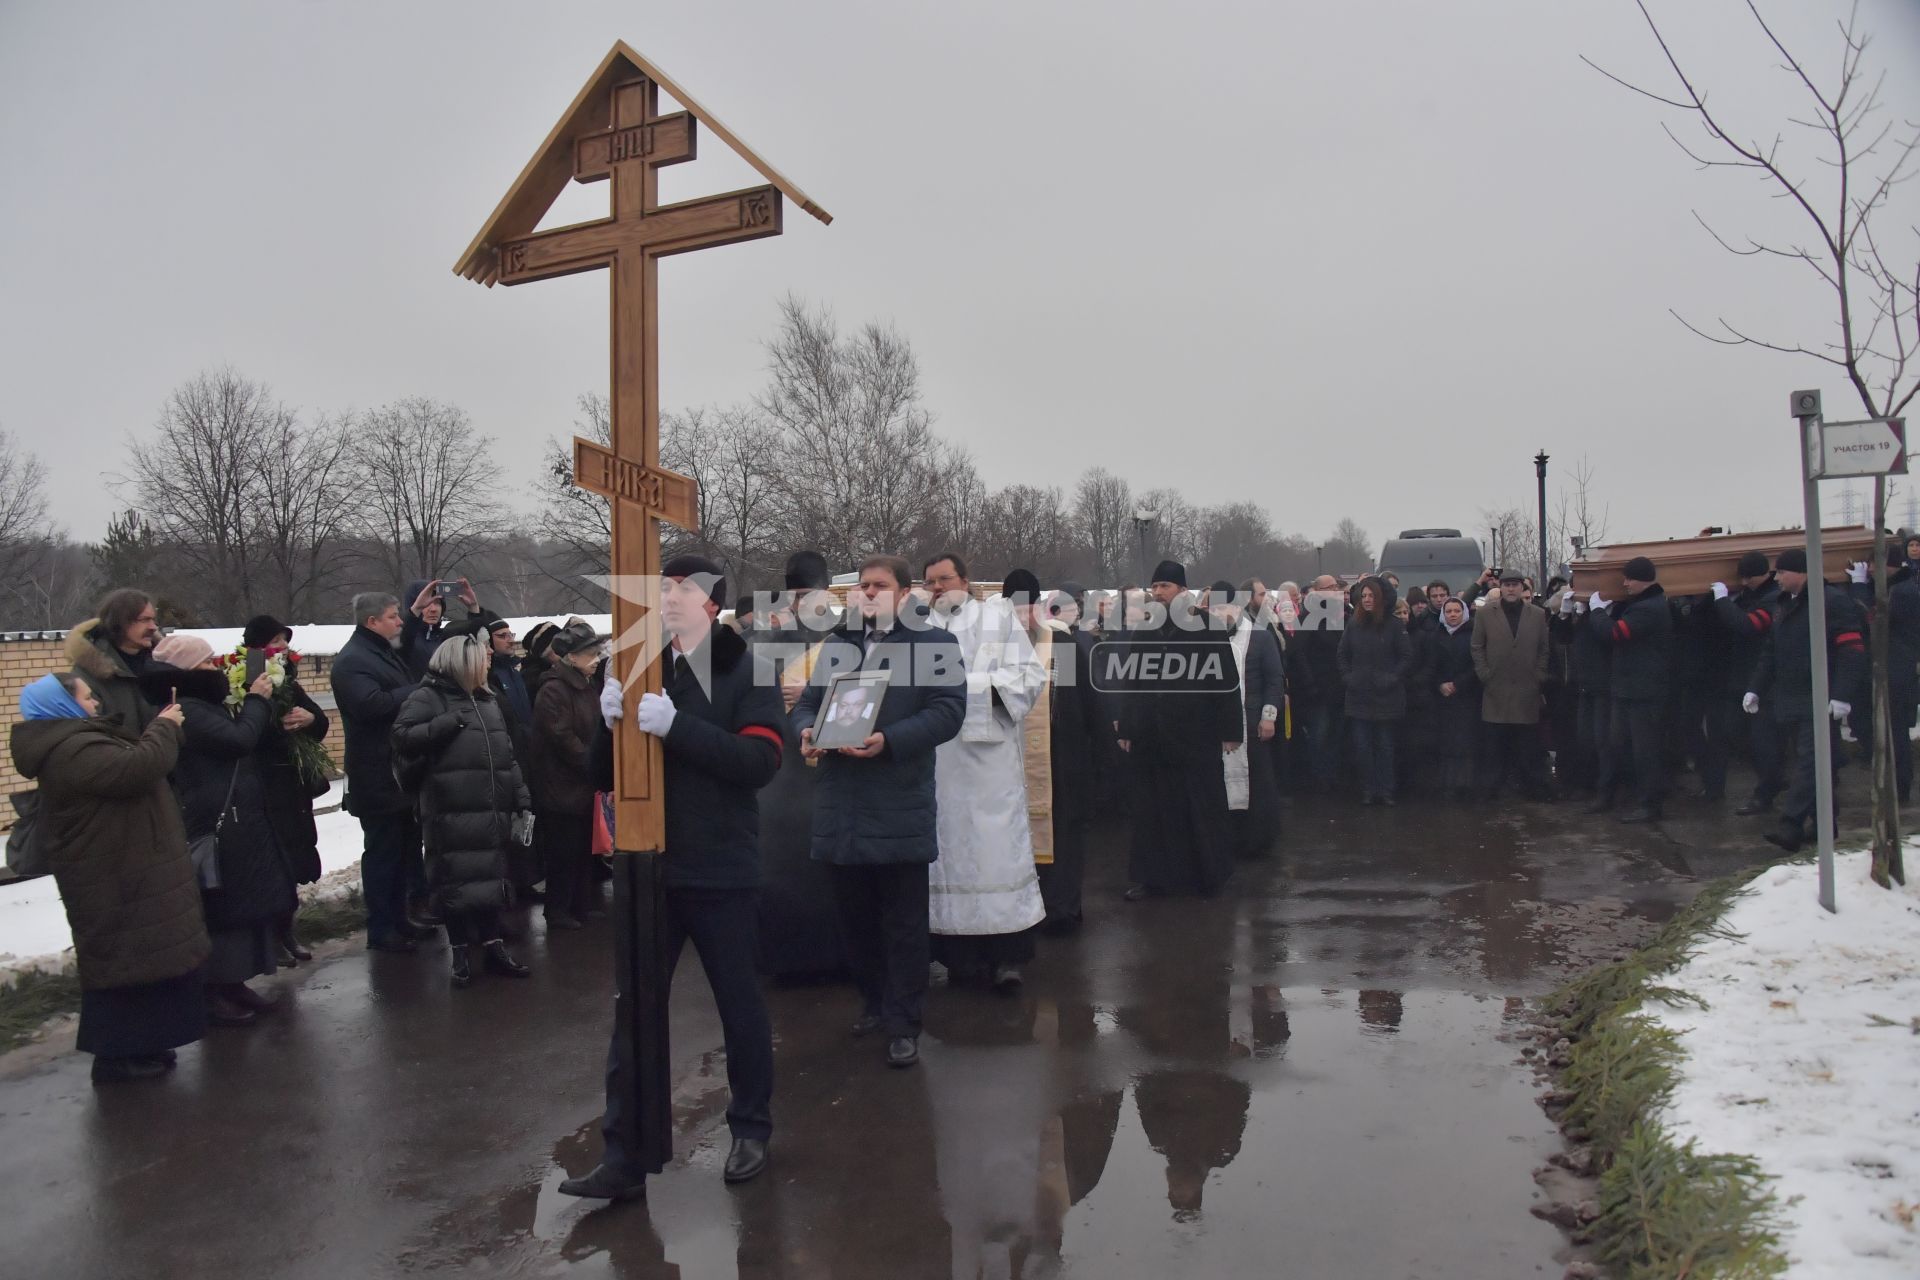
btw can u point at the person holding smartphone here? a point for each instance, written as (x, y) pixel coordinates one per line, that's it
(426, 626)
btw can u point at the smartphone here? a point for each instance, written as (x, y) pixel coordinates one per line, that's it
(447, 590)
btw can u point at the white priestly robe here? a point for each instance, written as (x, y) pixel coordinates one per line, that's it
(984, 881)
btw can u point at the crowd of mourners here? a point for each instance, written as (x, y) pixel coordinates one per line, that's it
(176, 793)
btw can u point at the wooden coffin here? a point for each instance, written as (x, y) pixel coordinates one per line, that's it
(1690, 566)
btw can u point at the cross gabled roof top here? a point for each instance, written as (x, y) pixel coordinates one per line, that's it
(551, 168)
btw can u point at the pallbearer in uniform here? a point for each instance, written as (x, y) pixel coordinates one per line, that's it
(1782, 685)
(1746, 620)
(719, 724)
(984, 891)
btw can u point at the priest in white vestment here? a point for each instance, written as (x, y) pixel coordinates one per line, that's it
(984, 891)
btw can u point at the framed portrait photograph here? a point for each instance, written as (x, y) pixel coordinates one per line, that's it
(850, 709)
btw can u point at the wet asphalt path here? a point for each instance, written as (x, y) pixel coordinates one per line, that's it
(1305, 1078)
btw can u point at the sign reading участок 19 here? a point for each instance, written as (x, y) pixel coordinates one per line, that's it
(1871, 447)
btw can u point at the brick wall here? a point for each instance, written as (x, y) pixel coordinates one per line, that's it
(25, 656)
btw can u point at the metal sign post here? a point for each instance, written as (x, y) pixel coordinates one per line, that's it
(1806, 407)
(1830, 451)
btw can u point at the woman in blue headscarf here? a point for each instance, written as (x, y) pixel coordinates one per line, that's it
(114, 839)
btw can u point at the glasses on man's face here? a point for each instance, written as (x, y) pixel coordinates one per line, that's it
(146, 618)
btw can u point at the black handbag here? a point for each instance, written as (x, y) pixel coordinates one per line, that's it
(205, 850)
(26, 851)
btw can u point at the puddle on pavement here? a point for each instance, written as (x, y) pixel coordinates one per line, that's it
(1289, 1131)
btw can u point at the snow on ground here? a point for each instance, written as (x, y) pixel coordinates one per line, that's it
(326, 638)
(33, 923)
(1791, 1065)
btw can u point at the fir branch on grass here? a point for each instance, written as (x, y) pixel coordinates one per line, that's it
(33, 997)
(1666, 1210)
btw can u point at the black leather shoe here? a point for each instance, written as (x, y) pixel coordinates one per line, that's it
(420, 930)
(291, 946)
(499, 960)
(746, 1160)
(127, 1070)
(903, 1051)
(1642, 814)
(462, 971)
(1598, 806)
(606, 1184)
(866, 1024)
(1135, 893)
(399, 946)
(1753, 808)
(1785, 837)
(559, 921)
(1007, 978)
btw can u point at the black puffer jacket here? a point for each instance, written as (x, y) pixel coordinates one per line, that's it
(225, 747)
(471, 792)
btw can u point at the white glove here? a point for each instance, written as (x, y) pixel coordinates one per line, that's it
(1595, 602)
(1719, 591)
(1839, 710)
(1567, 602)
(612, 700)
(1750, 703)
(655, 715)
(1857, 572)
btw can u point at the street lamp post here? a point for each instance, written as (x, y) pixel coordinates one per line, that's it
(1320, 560)
(1540, 474)
(1142, 527)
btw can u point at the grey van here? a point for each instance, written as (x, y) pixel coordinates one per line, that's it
(1420, 556)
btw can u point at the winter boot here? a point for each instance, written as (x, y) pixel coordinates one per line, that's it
(499, 960)
(462, 972)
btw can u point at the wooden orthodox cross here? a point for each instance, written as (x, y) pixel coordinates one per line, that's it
(614, 130)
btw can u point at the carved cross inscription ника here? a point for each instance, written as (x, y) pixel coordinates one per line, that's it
(635, 143)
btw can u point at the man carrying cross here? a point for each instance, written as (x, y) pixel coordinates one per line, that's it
(719, 725)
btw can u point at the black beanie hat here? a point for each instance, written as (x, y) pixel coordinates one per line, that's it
(1021, 586)
(807, 571)
(1170, 571)
(1792, 560)
(1640, 569)
(743, 605)
(707, 575)
(1752, 564)
(1220, 592)
(261, 631)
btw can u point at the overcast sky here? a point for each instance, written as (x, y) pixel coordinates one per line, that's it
(1342, 258)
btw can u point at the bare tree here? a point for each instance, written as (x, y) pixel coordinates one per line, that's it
(428, 486)
(302, 509)
(23, 513)
(862, 466)
(1577, 512)
(196, 481)
(54, 588)
(1348, 549)
(1873, 276)
(1103, 515)
(577, 520)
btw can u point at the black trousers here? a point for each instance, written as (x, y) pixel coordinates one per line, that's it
(1720, 724)
(1798, 731)
(1592, 728)
(1635, 742)
(976, 955)
(566, 842)
(883, 918)
(390, 862)
(723, 925)
(1512, 751)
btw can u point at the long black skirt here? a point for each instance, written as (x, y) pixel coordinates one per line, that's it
(242, 952)
(132, 1022)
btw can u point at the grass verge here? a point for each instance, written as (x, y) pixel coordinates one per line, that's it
(1666, 1209)
(36, 996)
